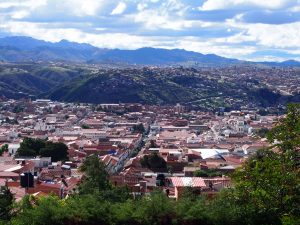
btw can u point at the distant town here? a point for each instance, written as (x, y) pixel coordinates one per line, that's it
(143, 147)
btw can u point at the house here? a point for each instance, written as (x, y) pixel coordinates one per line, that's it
(180, 184)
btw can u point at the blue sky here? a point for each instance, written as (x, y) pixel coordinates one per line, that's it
(245, 29)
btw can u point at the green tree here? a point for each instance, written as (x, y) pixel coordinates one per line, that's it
(38, 147)
(287, 131)
(4, 148)
(139, 128)
(85, 126)
(156, 209)
(192, 209)
(57, 151)
(30, 147)
(47, 210)
(96, 177)
(6, 202)
(262, 132)
(154, 161)
(207, 173)
(269, 181)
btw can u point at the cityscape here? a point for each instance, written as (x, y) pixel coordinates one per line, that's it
(150, 112)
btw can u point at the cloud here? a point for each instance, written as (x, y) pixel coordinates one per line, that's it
(120, 8)
(225, 4)
(242, 29)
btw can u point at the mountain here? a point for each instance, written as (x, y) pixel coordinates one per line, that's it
(24, 43)
(20, 49)
(157, 56)
(288, 63)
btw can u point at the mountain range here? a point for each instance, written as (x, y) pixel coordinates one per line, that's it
(24, 49)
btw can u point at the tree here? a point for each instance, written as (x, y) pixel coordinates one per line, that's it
(139, 128)
(57, 151)
(6, 202)
(30, 147)
(160, 179)
(153, 144)
(157, 209)
(38, 147)
(4, 148)
(287, 131)
(47, 210)
(85, 126)
(207, 173)
(154, 161)
(170, 169)
(269, 181)
(262, 132)
(96, 177)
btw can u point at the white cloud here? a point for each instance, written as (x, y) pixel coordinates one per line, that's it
(225, 4)
(19, 14)
(277, 36)
(142, 6)
(156, 23)
(31, 4)
(120, 8)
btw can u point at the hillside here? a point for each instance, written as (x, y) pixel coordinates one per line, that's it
(92, 84)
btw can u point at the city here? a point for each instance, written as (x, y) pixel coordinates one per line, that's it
(122, 135)
(149, 112)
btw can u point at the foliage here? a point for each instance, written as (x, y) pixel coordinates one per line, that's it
(287, 131)
(262, 132)
(57, 151)
(46, 211)
(4, 148)
(153, 161)
(30, 147)
(6, 201)
(139, 128)
(96, 177)
(38, 147)
(207, 173)
(269, 181)
(85, 126)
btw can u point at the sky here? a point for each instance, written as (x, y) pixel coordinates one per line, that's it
(257, 30)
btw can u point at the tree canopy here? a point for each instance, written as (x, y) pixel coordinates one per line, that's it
(139, 128)
(4, 148)
(96, 177)
(154, 161)
(6, 203)
(39, 147)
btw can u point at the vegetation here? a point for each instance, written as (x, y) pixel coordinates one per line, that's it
(6, 203)
(96, 177)
(85, 126)
(262, 132)
(207, 173)
(266, 192)
(85, 83)
(37, 147)
(139, 128)
(154, 162)
(4, 148)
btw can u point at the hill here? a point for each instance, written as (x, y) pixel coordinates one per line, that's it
(204, 88)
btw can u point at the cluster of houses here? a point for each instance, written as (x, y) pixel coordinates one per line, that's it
(190, 143)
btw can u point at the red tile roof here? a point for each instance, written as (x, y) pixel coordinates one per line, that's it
(188, 182)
